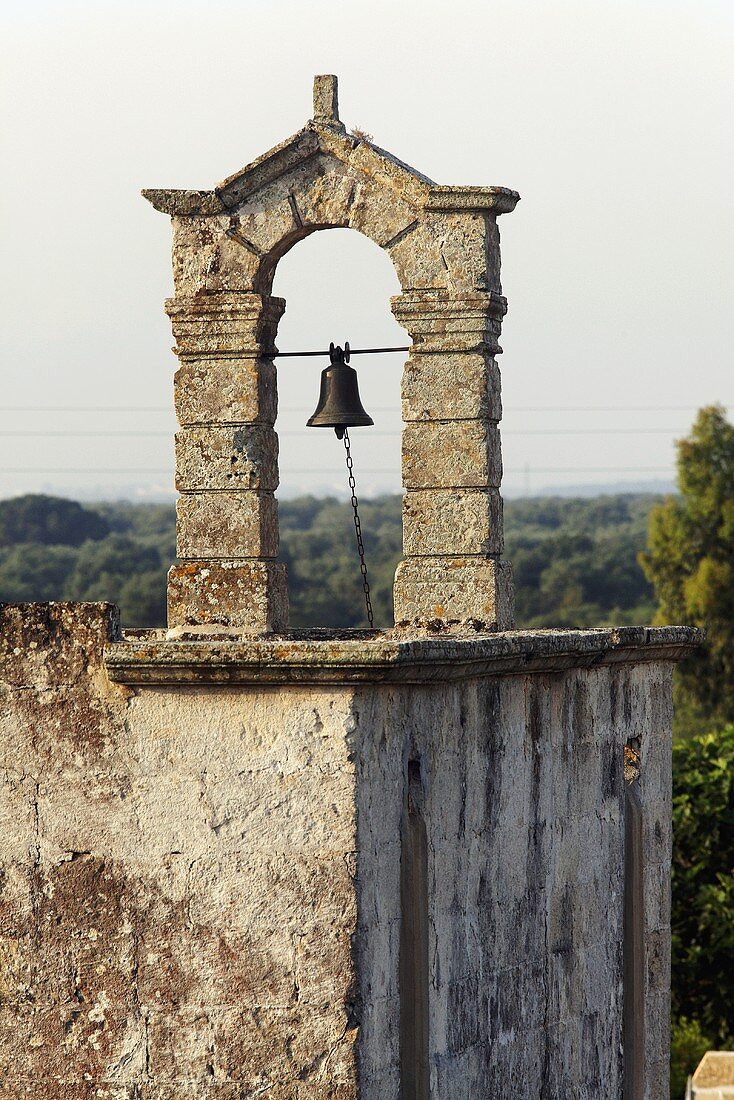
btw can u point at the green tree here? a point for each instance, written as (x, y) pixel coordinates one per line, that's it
(103, 568)
(317, 544)
(703, 882)
(142, 599)
(32, 573)
(690, 561)
(51, 521)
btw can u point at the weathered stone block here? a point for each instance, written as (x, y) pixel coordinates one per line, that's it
(234, 391)
(265, 220)
(227, 457)
(451, 454)
(380, 215)
(312, 193)
(389, 174)
(267, 169)
(227, 525)
(452, 521)
(206, 259)
(451, 386)
(325, 200)
(451, 251)
(471, 251)
(248, 595)
(454, 590)
(417, 258)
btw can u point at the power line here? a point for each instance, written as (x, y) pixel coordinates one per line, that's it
(168, 471)
(381, 409)
(122, 433)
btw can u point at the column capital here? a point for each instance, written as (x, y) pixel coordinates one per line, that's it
(440, 322)
(225, 325)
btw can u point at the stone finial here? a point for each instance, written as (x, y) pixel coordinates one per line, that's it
(326, 101)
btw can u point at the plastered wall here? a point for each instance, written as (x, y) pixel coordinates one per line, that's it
(201, 886)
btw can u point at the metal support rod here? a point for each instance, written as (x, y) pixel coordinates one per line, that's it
(353, 351)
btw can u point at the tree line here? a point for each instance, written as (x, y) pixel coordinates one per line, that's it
(575, 561)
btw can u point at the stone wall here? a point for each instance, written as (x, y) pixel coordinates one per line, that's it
(203, 860)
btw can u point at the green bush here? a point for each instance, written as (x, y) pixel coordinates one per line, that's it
(703, 883)
(688, 1044)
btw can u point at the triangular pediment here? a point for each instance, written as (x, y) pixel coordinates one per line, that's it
(333, 151)
(349, 152)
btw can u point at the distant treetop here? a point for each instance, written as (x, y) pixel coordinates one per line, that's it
(51, 521)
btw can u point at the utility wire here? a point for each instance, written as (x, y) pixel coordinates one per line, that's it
(117, 434)
(320, 470)
(387, 408)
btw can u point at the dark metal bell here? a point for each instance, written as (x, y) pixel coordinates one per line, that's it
(339, 404)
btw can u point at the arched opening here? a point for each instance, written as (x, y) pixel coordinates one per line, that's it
(337, 287)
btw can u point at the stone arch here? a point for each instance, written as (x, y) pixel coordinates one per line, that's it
(444, 245)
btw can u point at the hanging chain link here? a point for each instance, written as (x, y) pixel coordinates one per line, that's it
(358, 531)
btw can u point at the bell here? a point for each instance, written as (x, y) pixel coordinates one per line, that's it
(339, 405)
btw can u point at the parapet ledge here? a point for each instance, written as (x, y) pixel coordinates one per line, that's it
(351, 657)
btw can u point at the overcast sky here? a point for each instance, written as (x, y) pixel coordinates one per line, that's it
(612, 119)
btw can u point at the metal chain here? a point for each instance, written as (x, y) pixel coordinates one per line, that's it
(358, 531)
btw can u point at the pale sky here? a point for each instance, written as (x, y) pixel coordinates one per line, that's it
(612, 119)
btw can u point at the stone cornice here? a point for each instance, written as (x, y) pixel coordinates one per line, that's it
(497, 200)
(323, 657)
(187, 204)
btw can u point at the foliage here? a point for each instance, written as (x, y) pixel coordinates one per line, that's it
(127, 572)
(688, 1044)
(319, 547)
(690, 562)
(31, 571)
(118, 553)
(703, 882)
(575, 560)
(50, 521)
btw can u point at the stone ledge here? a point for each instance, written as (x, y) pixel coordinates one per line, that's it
(351, 657)
(187, 204)
(499, 200)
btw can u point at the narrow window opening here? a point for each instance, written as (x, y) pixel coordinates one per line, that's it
(414, 1082)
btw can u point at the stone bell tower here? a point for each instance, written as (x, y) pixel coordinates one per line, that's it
(427, 863)
(444, 244)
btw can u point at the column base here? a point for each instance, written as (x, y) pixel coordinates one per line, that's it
(250, 596)
(454, 591)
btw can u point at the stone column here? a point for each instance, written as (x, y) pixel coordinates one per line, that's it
(226, 465)
(452, 464)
